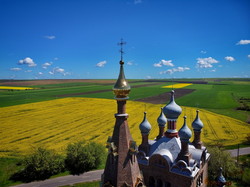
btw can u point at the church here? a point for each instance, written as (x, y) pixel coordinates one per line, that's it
(170, 160)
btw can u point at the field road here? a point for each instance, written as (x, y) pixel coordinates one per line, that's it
(95, 175)
(242, 151)
(66, 180)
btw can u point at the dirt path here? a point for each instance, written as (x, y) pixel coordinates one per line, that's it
(165, 97)
(242, 151)
(66, 180)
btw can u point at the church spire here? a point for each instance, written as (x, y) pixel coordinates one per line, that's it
(121, 168)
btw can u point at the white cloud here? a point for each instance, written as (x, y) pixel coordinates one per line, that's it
(137, 2)
(27, 61)
(28, 71)
(58, 70)
(101, 64)
(248, 56)
(230, 58)
(148, 77)
(158, 65)
(173, 70)
(56, 58)
(203, 52)
(243, 42)
(180, 69)
(164, 62)
(169, 71)
(213, 70)
(167, 63)
(50, 37)
(40, 73)
(15, 69)
(66, 73)
(206, 62)
(130, 63)
(46, 65)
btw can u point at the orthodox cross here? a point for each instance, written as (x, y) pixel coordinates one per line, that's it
(121, 50)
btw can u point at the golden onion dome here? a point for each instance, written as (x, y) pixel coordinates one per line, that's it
(121, 88)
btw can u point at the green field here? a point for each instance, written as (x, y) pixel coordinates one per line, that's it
(221, 96)
(222, 99)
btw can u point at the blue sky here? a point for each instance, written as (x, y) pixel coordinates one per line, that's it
(77, 39)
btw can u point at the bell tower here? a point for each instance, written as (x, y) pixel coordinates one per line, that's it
(121, 168)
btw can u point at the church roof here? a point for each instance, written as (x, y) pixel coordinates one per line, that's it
(169, 149)
(170, 146)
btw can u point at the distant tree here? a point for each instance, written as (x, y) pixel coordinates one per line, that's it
(82, 157)
(220, 158)
(246, 176)
(40, 165)
(98, 152)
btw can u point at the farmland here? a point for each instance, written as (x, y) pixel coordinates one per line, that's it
(221, 96)
(174, 86)
(14, 88)
(56, 123)
(58, 111)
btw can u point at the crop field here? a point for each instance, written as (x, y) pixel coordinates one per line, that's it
(175, 86)
(56, 123)
(15, 88)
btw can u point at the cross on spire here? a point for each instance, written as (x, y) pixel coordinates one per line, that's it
(121, 43)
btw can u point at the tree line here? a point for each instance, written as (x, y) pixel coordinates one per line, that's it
(43, 163)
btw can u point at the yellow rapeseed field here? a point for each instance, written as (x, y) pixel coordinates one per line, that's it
(181, 85)
(56, 123)
(14, 88)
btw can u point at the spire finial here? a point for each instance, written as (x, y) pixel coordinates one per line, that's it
(121, 43)
(121, 88)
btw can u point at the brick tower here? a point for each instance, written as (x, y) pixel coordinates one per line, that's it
(122, 169)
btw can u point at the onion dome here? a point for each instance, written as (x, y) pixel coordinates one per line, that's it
(121, 88)
(145, 126)
(162, 120)
(172, 110)
(197, 123)
(185, 133)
